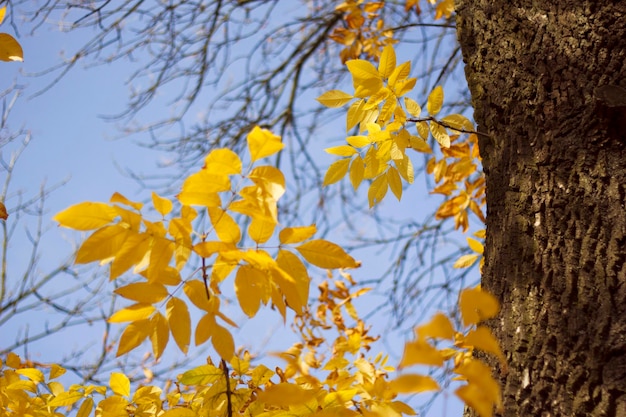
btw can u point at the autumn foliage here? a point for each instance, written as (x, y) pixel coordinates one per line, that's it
(225, 223)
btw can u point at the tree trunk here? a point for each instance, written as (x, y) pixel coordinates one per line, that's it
(548, 83)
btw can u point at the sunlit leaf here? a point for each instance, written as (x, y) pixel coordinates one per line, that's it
(201, 188)
(357, 171)
(440, 134)
(435, 101)
(204, 329)
(412, 107)
(134, 312)
(179, 321)
(293, 266)
(325, 254)
(201, 375)
(261, 230)
(132, 251)
(438, 327)
(343, 150)
(387, 62)
(101, 244)
(85, 408)
(143, 292)
(33, 374)
(10, 48)
(134, 334)
(377, 190)
(250, 284)
(420, 352)
(86, 216)
(119, 198)
(413, 384)
(263, 143)
(222, 162)
(296, 234)
(477, 305)
(162, 205)
(65, 399)
(285, 394)
(223, 342)
(225, 227)
(465, 261)
(336, 171)
(120, 384)
(481, 338)
(160, 334)
(334, 98)
(395, 183)
(475, 245)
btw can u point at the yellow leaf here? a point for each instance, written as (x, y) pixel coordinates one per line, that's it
(10, 49)
(413, 384)
(13, 360)
(204, 329)
(85, 408)
(102, 244)
(285, 394)
(113, 406)
(325, 254)
(477, 305)
(250, 285)
(65, 399)
(403, 87)
(222, 162)
(482, 392)
(481, 338)
(293, 266)
(197, 294)
(296, 234)
(202, 375)
(343, 150)
(400, 73)
(261, 230)
(377, 190)
(458, 122)
(422, 130)
(475, 245)
(135, 312)
(435, 101)
(33, 374)
(3, 12)
(395, 183)
(270, 179)
(179, 412)
(358, 141)
(445, 8)
(160, 334)
(86, 216)
(440, 134)
(387, 62)
(334, 98)
(263, 143)
(143, 292)
(223, 342)
(162, 205)
(131, 252)
(355, 114)
(412, 107)
(120, 384)
(226, 228)
(56, 370)
(201, 188)
(336, 171)
(208, 249)
(134, 334)
(179, 322)
(465, 261)
(362, 70)
(119, 198)
(357, 171)
(288, 288)
(367, 87)
(420, 352)
(438, 327)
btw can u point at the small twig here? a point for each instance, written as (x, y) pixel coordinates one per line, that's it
(229, 404)
(447, 126)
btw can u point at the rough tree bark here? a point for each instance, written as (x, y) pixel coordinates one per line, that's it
(545, 79)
